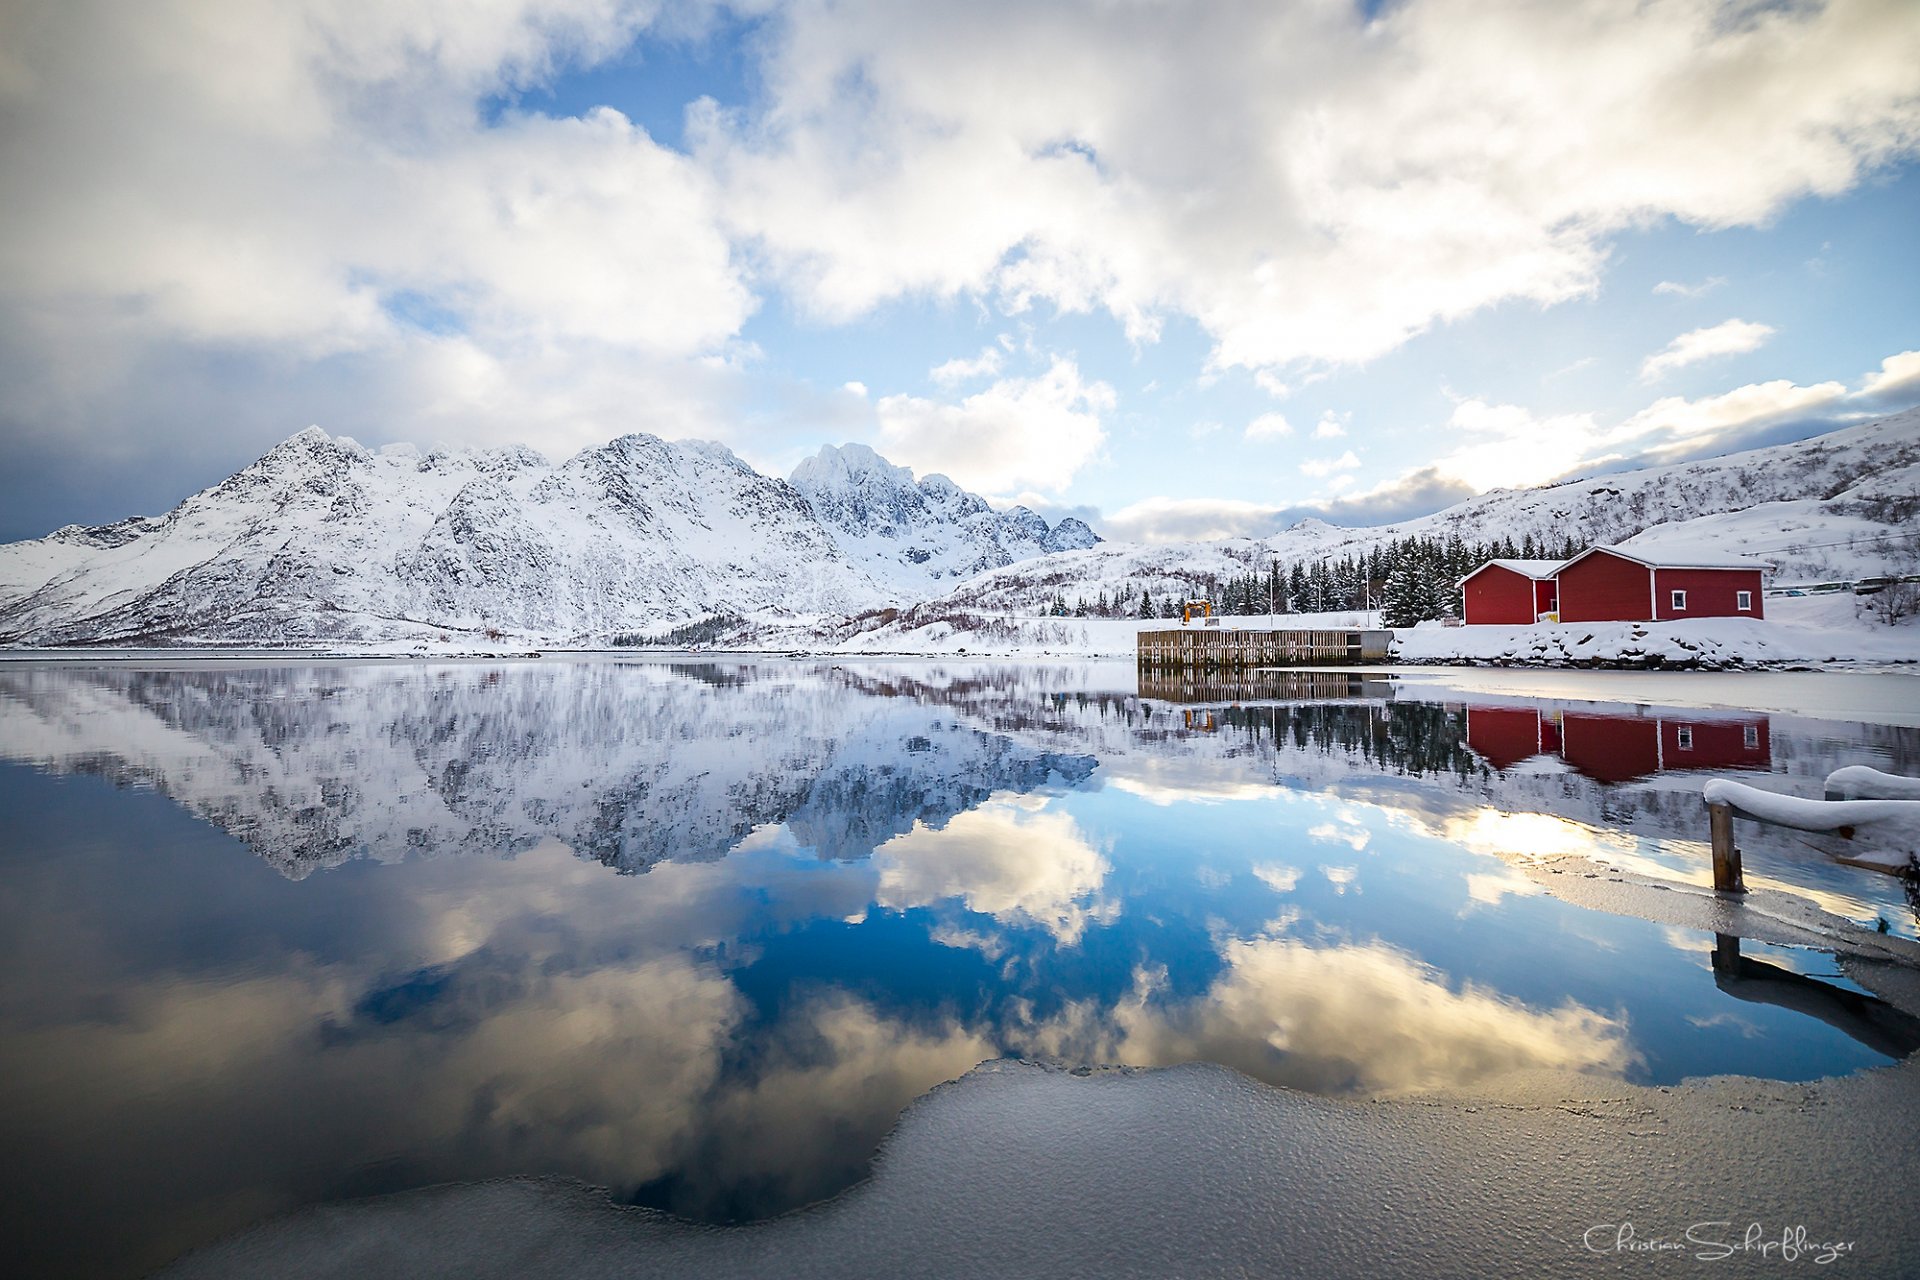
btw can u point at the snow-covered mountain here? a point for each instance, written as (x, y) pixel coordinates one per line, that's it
(904, 532)
(1839, 505)
(324, 540)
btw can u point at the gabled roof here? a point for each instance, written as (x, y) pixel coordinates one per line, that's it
(1676, 556)
(1538, 570)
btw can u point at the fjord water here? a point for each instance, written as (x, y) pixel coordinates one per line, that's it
(698, 931)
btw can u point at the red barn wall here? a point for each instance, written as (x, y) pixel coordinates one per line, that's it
(1605, 588)
(1546, 597)
(1504, 736)
(1710, 592)
(1499, 595)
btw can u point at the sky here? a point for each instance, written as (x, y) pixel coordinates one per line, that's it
(1181, 270)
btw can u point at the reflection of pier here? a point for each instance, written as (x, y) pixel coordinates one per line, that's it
(1616, 748)
(1870, 1020)
(1197, 685)
(1212, 647)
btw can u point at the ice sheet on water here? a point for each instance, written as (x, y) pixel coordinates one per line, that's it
(1020, 1170)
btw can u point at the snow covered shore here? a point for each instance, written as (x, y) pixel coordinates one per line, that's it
(1803, 631)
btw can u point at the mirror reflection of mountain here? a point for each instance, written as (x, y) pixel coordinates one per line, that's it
(629, 764)
(633, 763)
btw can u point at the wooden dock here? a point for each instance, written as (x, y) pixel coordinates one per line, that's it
(1217, 647)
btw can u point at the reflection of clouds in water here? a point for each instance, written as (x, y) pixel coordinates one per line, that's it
(1172, 780)
(1347, 832)
(1364, 1018)
(1489, 887)
(830, 1080)
(1748, 1029)
(1277, 876)
(1531, 836)
(1011, 859)
(1340, 877)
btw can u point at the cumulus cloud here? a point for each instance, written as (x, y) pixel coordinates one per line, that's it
(958, 369)
(1162, 519)
(1332, 426)
(1306, 182)
(1897, 377)
(1322, 467)
(1269, 426)
(1728, 338)
(1018, 432)
(1674, 288)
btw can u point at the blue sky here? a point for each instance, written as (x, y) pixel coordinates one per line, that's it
(1182, 272)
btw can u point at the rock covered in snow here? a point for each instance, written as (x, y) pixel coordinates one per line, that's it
(912, 534)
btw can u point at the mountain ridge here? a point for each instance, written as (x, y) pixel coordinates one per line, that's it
(322, 540)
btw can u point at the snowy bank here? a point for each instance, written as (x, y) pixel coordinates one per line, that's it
(1696, 643)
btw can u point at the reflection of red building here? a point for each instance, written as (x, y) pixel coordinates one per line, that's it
(1616, 748)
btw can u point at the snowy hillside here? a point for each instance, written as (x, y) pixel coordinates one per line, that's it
(325, 542)
(322, 540)
(1837, 506)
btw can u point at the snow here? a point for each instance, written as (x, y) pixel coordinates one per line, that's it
(1860, 781)
(1657, 549)
(1021, 1170)
(322, 542)
(1811, 815)
(1535, 569)
(1824, 632)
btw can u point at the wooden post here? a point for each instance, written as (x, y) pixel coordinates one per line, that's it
(1726, 854)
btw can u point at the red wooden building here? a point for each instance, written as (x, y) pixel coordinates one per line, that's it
(1620, 584)
(1510, 591)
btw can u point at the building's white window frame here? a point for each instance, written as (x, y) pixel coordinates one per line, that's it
(1750, 735)
(1743, 601)
(1683, 738)
(1679, 598)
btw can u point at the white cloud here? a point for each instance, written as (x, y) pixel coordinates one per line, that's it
(1321, 467)
(1163, 519)
(1332, 426)
(1676, 289)
(958, 370)
(1270, 382)
(308, 196)
(1899, 374)
(1269, 426)
(1018, 432)
(1728, 338)
(857, 389)
(1675, 417)
(1305, 182)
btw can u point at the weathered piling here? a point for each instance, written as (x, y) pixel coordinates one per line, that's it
(1187, 647)
(1726, 854)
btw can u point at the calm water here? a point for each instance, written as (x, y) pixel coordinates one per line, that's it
(281, 934)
